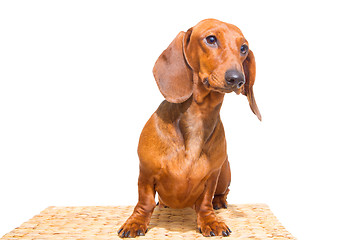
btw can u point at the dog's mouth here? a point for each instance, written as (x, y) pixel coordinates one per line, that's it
(222, 89)
(206, 82)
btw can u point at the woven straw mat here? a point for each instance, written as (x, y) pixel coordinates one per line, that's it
(248, 221)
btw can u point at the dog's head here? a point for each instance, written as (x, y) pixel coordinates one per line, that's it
(212, 52)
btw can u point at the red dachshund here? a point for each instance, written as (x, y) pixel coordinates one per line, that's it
(182, 148)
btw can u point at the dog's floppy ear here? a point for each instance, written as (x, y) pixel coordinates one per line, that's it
(172, 73)
(249, 67)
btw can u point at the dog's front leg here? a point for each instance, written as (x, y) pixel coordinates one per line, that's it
(137, 223)
(207, 221)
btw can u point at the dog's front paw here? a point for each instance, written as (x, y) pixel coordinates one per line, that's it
(132, 228)
(212, 227)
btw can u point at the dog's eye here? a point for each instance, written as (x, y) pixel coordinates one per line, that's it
(244, 49)
(211, 40)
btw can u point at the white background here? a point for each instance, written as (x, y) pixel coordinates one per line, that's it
(76, 88)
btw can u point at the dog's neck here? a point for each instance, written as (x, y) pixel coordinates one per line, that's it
(195, 119)
(200, 119)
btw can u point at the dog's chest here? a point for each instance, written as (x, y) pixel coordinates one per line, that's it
(179, 183)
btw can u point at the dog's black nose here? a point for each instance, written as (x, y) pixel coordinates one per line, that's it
(234, 78)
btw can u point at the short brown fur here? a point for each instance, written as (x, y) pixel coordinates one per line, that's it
(182, 148)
